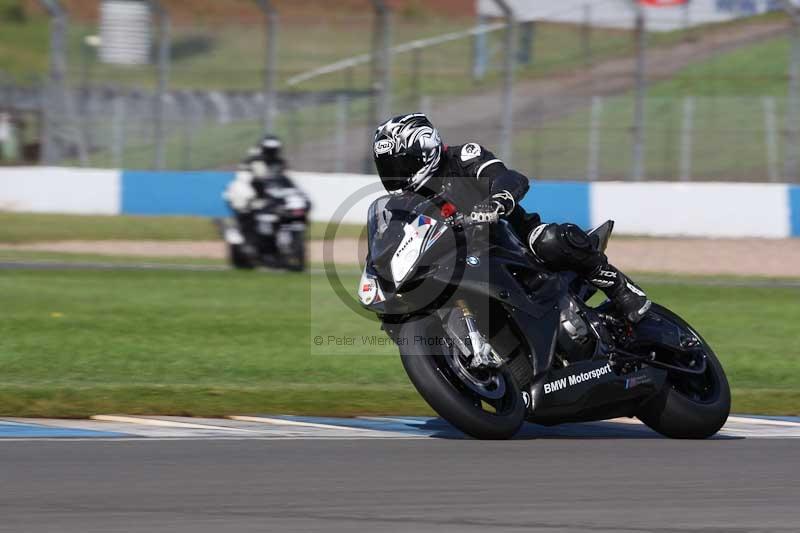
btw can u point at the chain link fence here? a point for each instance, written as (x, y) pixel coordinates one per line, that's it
(715, 102)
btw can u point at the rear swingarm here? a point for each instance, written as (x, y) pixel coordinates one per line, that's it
(630, 357)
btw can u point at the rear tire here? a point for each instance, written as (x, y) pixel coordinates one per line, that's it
(676, 415)
(430, 377)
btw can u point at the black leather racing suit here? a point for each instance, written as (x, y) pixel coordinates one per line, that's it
(470, 174)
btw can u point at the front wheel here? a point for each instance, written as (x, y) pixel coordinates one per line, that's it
(690, 406)
(297, 253)
(485, 404)
(239, 258)
(292, 250)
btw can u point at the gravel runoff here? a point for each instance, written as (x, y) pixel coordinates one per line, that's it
(743, 257)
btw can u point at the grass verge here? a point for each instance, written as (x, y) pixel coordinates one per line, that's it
(27, 256)
(731, 94)
(17, 228)
(77, 343)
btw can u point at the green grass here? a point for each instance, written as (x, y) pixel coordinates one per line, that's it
(228, 55)
(146, 342)
(216, 53)
(729, 133)
(446, 71)
(16, 228)
(231, 63)
(78, 343)
(231, 58)
(25, 227)
(27, 256)
(209, 145)
(728, 140)
(23, 48)
(754, 70)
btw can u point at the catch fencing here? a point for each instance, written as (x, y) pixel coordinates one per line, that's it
(588, 102)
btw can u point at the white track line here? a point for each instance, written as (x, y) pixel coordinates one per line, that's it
(164, 423)
(284, 422)
(764, 421)
(67, 440)
(735, 419)
(624, 420)
(393, 419)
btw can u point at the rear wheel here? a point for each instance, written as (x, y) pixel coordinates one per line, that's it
(690, 406)
(485, 403)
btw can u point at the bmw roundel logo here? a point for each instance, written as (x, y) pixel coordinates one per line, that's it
(473, 261)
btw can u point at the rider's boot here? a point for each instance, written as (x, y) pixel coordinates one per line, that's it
(629, 299)
(567, 247)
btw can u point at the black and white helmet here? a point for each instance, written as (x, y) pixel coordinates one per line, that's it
(271, 149)
(408, 151)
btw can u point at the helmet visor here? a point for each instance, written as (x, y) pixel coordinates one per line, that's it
(396, 171)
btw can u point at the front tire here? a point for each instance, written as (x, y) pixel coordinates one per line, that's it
(685, 410)
(296, 257)
(426, 368)
(239, 258)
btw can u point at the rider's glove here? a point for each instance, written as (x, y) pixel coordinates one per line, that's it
(505, 199)
(487, 212)
(494, 207)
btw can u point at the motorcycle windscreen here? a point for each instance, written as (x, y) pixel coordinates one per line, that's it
(404, 243)
(386, 220)
(378, 221)
(601, 235)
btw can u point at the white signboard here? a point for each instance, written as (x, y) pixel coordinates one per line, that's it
(661, 15)
(125, 32)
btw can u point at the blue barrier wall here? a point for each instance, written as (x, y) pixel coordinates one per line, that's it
(652, 208)
(174, 193)
(560, 202)
(794, 210)
(199, 193)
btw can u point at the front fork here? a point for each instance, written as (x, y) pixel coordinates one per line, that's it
(479, 350)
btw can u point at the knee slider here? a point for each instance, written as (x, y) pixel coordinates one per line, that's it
(546, 243)
(565, 247)
(575, 238)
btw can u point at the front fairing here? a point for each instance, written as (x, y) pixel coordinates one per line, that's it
(390, 223)
(407, 235)
(486, 263)
(416, 256)
(392, 219)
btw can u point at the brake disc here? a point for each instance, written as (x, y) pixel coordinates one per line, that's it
(493, 386)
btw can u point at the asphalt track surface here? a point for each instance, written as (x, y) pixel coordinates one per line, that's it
(401, 485)
(172, 474)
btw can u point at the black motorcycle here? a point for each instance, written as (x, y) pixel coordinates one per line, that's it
(270, 233)
(490, 338)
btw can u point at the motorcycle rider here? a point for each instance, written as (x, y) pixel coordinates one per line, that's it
(261, 183)
(268, 151)
(261, 172)
(411, 157)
